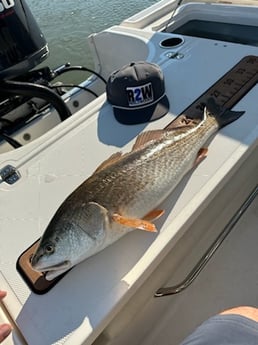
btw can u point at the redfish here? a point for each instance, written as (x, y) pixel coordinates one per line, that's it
(124, 193)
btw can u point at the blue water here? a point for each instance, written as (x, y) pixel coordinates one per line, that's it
(67, 23)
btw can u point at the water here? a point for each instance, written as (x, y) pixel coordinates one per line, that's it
(67, 23)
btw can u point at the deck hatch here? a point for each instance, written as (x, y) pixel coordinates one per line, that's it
(226, 32)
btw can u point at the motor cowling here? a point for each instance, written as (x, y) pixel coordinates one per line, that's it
(22, 44)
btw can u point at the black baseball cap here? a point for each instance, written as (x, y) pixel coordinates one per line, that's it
(137, 93)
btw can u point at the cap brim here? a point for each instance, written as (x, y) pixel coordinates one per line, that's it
(147, 114)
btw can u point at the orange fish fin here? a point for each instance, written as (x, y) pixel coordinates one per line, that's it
(201, 155)
(146, 137)
(112, 159)
(153, 215)
(140, 224)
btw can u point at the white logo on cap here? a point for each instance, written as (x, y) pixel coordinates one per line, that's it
(5, 4)
(139, 95)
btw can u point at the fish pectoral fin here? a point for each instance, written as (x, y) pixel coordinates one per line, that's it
(140, 224)
(201, 155)
(153, 215)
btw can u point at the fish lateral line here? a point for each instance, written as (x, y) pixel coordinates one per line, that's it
(179, 131)
(146, 137)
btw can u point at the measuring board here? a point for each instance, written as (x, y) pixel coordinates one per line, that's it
(226, 92)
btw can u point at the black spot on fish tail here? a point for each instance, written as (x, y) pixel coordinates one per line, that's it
(224, 116)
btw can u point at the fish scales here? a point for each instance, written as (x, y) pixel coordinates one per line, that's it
(123, 193)
(143, 179)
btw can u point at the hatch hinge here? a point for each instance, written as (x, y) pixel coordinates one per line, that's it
(9, 174)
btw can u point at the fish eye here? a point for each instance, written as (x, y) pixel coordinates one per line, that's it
(49, 248)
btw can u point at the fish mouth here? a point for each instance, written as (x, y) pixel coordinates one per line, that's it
(64, 265)
(53, 271)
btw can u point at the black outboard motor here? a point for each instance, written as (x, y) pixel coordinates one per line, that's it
(22, 44)
(22, 47)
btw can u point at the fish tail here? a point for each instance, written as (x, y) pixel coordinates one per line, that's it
(223, 115)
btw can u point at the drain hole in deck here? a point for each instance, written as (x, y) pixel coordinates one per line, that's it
(171, 42)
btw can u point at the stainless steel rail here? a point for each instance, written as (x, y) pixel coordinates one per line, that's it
(210, 251)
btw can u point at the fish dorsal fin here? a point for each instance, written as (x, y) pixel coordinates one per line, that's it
(146, 137)
(112, 159)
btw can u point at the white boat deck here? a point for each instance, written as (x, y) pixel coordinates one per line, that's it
(90, 296)
(229, 279)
